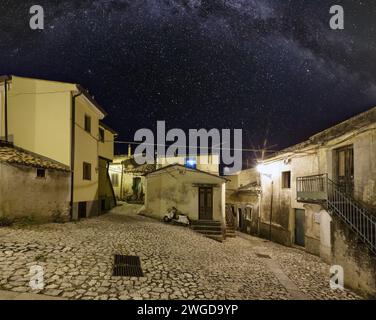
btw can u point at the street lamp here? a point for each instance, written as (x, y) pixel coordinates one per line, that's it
(261, 169)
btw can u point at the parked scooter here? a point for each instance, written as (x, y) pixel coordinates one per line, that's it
(175, 216)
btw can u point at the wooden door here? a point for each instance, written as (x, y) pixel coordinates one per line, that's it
(345, 169)
(300, 227)
(205, 203)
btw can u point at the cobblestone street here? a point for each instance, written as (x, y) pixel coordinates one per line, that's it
(177, 263)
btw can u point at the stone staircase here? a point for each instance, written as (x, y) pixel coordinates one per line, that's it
(230, 223)
(230, 230)
(209, 228)
(357, 217)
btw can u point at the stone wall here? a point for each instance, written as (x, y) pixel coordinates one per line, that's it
(22, 194)
(358, 262)
(278, 233)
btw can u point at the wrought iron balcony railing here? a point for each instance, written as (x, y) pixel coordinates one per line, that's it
(312, 188)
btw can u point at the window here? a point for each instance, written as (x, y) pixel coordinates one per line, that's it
(286, 180)
(248, 214)
(87, 171)
(115, 179)
(87, 123)
(41, 173)
(101, 135)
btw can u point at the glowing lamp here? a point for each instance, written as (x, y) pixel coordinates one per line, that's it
(260, 168)
(190, 163)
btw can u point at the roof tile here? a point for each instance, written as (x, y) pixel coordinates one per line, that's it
(13, 155)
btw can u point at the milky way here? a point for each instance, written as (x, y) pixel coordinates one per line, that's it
(273, 68)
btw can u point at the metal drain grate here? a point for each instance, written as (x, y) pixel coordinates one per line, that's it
(131, 260)
(127, 266)
(264, 256)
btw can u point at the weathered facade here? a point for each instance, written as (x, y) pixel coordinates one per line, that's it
(242, 201)
(128, 178)
(198, 194)
(315, 191)
(60, 121)
(32, 186)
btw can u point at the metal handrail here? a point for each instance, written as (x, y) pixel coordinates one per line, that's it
(357, 217)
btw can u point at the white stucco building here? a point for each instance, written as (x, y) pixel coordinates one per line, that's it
(320, 195)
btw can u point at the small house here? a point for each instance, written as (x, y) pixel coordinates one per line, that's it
(32, 186)
(198, 194)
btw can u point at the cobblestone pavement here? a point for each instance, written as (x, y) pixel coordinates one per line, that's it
(178, 264)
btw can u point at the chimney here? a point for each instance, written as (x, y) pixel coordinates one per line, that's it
(129, 150)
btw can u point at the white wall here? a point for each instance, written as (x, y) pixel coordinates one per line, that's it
(176, 189)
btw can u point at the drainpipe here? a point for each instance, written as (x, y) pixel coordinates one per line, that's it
(271, 212)
(73, 140)
(6, 109)
(121, 181)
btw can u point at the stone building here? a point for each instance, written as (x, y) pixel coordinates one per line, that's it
(320, 195)
(194, 192)
(128, 178)
(242, 201)
(32, 186)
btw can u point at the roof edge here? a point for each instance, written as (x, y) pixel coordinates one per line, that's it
(87, 95)
(189, 169)
(5, 78)
(312, 141)
(107, 127)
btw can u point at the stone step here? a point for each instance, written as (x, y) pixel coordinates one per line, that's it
(230, 235)
(206, 227)
(218, 238)
(206, 222)
(211, 229)
(218, 232)
(211, 233)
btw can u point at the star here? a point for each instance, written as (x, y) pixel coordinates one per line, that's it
(263, 66)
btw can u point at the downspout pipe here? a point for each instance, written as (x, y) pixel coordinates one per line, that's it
(6, 109)
(73, 143)
(271, 211)
(121, 181)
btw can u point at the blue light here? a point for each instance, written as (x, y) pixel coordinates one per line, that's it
(190, 163)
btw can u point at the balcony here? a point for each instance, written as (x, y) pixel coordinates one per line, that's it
(312, 189)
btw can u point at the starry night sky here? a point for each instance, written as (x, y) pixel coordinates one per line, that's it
(273, 68)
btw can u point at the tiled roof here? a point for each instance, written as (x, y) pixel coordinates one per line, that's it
(253, 187)
(14, 155)
(131, 166)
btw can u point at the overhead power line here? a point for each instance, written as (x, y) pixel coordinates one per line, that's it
(192, 147)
